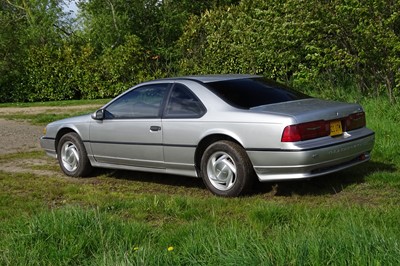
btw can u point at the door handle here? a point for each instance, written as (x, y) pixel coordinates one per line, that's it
(155, 128)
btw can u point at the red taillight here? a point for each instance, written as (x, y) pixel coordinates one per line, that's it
(305, 131)
(291, 134)
(355, 121)
(320, 128)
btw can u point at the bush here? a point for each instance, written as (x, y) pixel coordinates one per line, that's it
(335, 42)
(310, 44)
(75, 71)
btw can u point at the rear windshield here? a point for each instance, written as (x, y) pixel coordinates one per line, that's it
(252, 92)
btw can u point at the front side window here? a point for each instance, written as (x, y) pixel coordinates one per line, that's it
(183, 104)
(142, 102)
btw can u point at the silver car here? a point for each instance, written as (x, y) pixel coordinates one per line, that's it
(226, 129)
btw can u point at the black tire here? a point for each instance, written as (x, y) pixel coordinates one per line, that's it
(72, 156)
(226, 169)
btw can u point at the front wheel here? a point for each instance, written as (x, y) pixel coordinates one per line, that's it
(226, 169)
(72, 156)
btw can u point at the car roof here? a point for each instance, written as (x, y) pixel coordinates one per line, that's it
(213, 78)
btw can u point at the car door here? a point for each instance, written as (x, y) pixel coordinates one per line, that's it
(181, 129)
(130, 133)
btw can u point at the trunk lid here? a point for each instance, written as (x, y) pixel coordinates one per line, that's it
(310, 109)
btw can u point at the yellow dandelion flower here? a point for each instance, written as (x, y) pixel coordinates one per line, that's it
(170, 248)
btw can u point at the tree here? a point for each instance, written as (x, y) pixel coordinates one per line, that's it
(158, 25)
(26, 25)
(303, 42)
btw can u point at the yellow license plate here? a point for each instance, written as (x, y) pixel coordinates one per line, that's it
(336, 128)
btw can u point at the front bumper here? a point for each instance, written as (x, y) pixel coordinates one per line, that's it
(299, 164)
(48, 144)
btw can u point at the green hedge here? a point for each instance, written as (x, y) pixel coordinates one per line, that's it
(74, 72)
(322, 45)
(308, 43)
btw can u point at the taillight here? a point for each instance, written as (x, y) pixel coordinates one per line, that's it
(291, 134)
(305, 131)
(355, 121)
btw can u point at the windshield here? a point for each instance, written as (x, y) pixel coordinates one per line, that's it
(252, 92)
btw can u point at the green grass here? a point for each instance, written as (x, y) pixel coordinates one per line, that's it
(213, 231)
(132, 218)
(384, 119)
(45, 117)
(56, 103)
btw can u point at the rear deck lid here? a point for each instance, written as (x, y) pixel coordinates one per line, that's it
(310, 109)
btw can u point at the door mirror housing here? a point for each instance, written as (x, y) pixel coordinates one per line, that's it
(98, 115)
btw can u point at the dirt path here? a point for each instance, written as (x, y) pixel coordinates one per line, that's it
(18, 136)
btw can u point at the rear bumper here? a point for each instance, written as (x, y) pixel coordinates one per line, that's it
(299, 164)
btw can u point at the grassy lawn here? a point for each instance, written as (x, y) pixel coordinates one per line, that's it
(56, 103)
(128, 218)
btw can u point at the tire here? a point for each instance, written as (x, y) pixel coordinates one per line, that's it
(72, 156)
(226, 169)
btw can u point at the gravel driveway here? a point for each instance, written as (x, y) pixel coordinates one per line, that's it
(19, 136)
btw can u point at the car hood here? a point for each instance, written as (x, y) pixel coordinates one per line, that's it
(73, 120)
(310, 109)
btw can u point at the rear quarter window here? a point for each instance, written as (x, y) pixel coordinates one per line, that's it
(183, 104)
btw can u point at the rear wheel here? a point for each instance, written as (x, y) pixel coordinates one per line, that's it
(72, 156)
(226, 169)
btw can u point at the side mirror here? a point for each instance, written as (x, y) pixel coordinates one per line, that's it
(98, 115)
